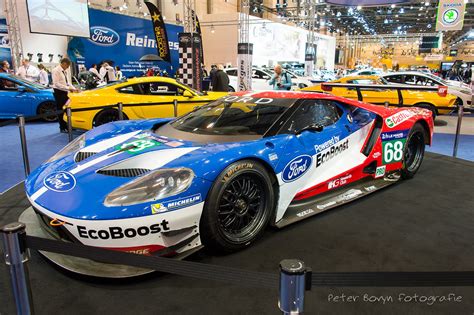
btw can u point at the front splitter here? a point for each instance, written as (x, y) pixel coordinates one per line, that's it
(82, 265)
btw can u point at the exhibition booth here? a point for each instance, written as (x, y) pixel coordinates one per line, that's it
(242, 157)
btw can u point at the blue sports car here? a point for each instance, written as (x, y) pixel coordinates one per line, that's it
(217, 176)
(18, 96)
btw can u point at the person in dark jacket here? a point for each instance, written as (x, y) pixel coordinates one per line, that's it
(220, 80)
(212, 72)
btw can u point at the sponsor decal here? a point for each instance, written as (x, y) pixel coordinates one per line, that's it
(339, 181)
(60, 182)
(351, 194)
(376, 155)
(236, 168)
(331, 151)
(174, 144)
(248, 99)
(304, 213)
(326, 205)
(370, 188)
(273, 156)
(393, 151)
(398, 118)
(138, 145)
(380, 171)
(104, 36)
(117, 232)
(296, 168)
(175, 204)
(394, 135)
(327, 144)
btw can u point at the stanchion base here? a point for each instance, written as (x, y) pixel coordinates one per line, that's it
(81, 265)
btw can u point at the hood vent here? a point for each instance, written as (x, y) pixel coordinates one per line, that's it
(81, 156)
(124, 172)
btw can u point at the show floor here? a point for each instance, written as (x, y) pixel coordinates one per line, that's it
(423, 224)
(44, 140)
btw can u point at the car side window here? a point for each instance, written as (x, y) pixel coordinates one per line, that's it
(313, 112)
(394, 78)
(8, 85)
(130, 89)
(160, 89)
(232, 73)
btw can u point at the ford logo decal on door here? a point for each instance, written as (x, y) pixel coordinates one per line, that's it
(104, 36)
(60, 181)
(296, 168)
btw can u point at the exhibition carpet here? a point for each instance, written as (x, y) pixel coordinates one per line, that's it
(423, 224)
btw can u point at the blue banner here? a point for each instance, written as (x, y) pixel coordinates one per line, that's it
(124, 40)
(5, 51)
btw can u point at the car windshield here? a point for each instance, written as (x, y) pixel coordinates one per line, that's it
(435, 78)
(29, 83)
(234, 115)
(109, 84)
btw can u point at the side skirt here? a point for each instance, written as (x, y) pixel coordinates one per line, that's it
(302, 209)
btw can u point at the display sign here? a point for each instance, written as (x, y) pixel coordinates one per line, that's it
(244, 65)
(434, 57)
(197, 63)
(450, 15)
(365, 2)
(123, 40)
(59, 17)
(198, 30)
(160, 32)
(309, 58)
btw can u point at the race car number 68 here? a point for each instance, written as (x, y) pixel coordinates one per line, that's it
(393, 151)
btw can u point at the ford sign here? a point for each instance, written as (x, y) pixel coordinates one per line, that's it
(104, 36)
(60, 182)
(296, 168)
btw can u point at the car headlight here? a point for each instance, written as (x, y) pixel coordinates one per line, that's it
(151, 187)
(74, 146)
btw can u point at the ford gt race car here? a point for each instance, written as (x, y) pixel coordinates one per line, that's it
(217, 176)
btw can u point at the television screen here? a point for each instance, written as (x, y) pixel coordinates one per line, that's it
(59, 17)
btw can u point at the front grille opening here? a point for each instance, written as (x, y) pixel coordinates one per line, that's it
(81, 156)
(124, 172)
(58, 232)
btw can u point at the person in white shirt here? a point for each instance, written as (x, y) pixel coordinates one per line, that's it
(43, 75)
(103, 71)
(27, 71)
(119, 73)
(93, 69)
(62, 85)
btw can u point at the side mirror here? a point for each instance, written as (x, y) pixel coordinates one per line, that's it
(188, 94)
(312, 128)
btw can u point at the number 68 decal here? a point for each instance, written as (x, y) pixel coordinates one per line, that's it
(393, 151)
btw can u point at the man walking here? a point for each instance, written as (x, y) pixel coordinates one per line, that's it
(62, 85)
(220, 80)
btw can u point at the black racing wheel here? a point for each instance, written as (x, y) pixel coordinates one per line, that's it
(238, 207)
(47, 107)
(414, 151)
(106, 116)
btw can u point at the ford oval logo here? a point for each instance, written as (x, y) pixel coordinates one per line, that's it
(296, 168)
(104, 36)
(60, 181)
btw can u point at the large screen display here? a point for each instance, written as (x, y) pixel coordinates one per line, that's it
(59, 17)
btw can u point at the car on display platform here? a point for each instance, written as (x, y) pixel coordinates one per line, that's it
(260, 78)
(461, 90)
(217, 176)
(21, 97)
(424, 99)
(143, 90)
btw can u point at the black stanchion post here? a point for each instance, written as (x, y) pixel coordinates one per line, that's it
(69, 122)
(458, 129)
(120, 110)
(24, 149)
(295, 279)
(175, 107)
(16, 255)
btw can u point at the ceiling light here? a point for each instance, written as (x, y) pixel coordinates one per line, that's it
(402, 11)
(359, 7)
(427, 3)
(393, 6)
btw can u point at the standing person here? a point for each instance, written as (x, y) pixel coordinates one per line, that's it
(103, 71)
(93, 70)
(280, 80)
(220, 80)
(118, 73)
(27, 71)
(212, 72)
(5, 67)
(61, 86)
(43, 75)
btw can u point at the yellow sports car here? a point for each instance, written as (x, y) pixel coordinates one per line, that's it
(425, 99)
(141, 90)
